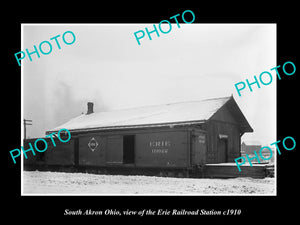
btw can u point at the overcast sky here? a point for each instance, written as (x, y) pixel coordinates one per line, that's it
(107, 66)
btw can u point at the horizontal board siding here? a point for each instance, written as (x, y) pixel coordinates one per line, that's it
(62, 154)
(172, 155)
(90, 157)
(214, 129)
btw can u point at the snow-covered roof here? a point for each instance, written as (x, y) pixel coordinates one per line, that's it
(147, 116)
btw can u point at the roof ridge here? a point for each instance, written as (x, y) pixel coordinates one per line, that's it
(171, 103)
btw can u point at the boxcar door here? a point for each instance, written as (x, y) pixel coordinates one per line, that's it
(114, 150)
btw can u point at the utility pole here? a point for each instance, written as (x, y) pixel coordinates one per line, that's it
(26, 122)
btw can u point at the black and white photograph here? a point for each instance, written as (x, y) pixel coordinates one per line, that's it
(166, 114)
(145, 114)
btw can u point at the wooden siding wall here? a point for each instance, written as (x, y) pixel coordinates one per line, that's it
(153, 148)
(176, 154)
(110, 149)
(87, 157)
(62, 154)
(214, 129)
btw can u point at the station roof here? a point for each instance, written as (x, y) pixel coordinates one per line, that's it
(181, 113)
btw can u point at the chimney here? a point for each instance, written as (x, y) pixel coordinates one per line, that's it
(90, 108)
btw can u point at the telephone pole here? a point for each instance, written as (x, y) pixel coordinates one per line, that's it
(26, 122)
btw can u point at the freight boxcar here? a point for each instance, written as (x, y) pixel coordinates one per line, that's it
(172, 139)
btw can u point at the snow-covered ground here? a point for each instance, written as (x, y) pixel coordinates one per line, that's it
(35, 182)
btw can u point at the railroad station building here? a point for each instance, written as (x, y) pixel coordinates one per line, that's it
(177, 136)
